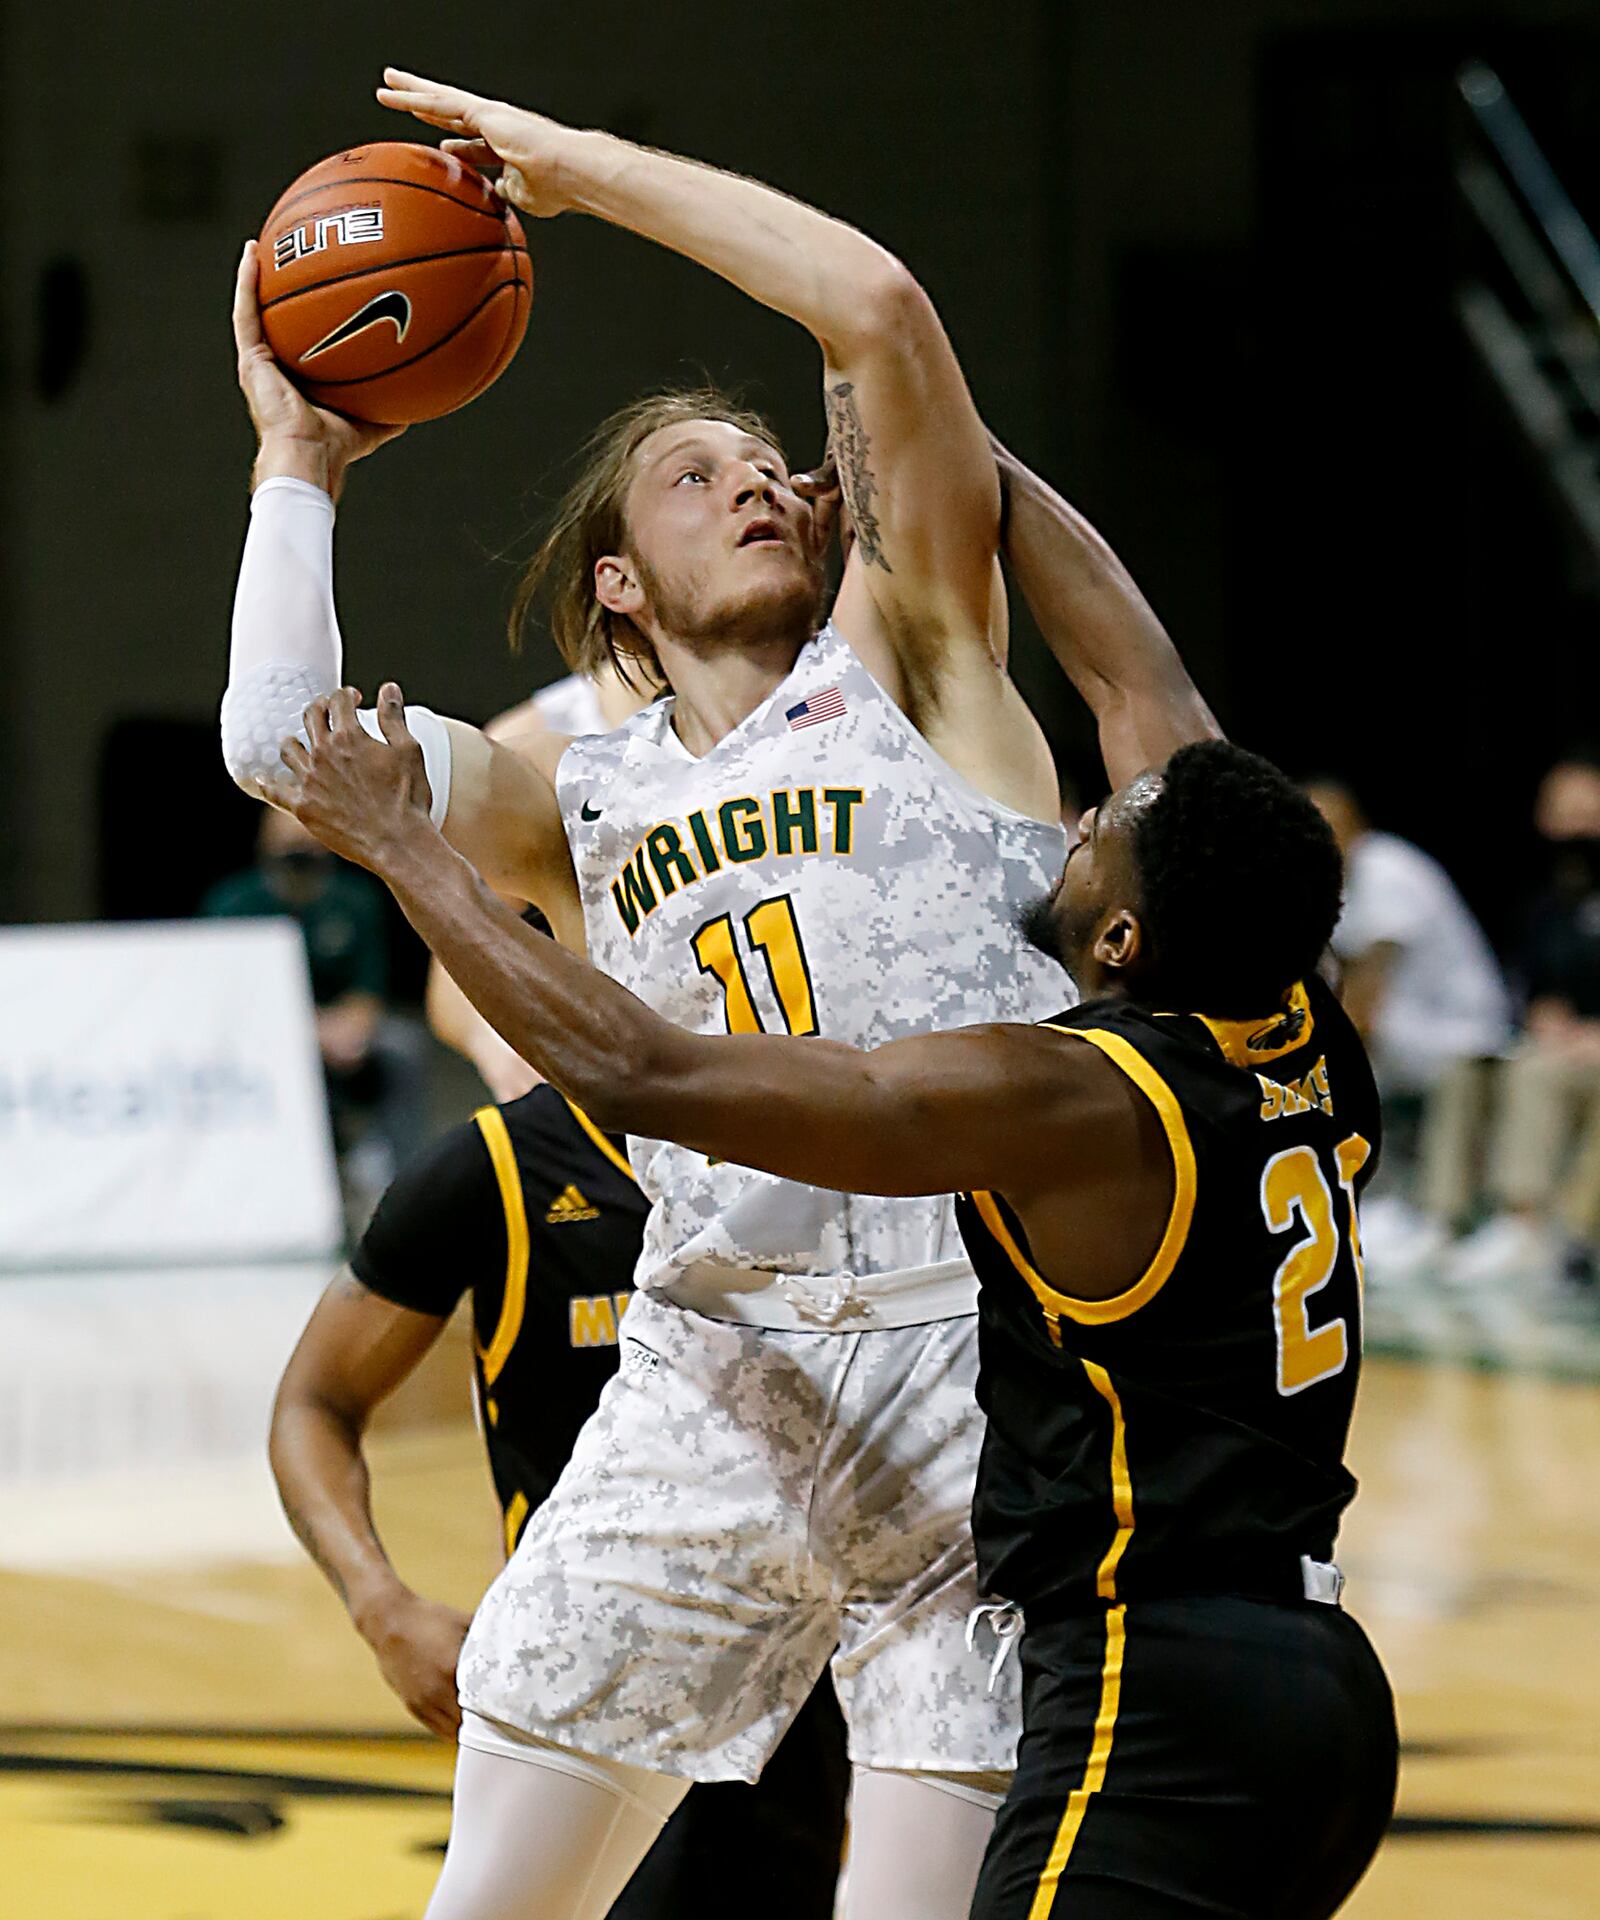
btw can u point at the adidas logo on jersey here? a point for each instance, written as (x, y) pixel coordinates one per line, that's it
(569, 1205)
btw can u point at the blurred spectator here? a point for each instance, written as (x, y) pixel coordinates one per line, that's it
(372, 1062)
(1423, 986)
(1546, 1160)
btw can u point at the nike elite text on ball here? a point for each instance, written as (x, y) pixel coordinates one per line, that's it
(394, 285)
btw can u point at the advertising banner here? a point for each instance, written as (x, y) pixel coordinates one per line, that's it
(161, 1097)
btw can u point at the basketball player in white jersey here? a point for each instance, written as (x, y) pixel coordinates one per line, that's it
(822, 831)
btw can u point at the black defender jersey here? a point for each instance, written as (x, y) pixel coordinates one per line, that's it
(537, 1212)
(1188, 1434)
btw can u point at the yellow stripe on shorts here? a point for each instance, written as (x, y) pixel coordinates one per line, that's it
(1094, 1774)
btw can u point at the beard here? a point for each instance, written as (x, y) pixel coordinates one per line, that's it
(1040, 925)
(778, 612)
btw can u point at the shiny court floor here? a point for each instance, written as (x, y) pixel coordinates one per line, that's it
(192, 1731)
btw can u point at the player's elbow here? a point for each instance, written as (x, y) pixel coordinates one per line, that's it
(318, 1389)
(261, 708)
(290, 1408)
(884, 310)
(249, 768)
(890, 292)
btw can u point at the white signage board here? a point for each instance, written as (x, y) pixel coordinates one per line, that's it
(161, 1096)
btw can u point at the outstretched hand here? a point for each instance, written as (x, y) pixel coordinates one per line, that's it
(361, 797)
(279, 411)
(521, 152)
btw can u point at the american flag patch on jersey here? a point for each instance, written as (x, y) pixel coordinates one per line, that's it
(827, 705)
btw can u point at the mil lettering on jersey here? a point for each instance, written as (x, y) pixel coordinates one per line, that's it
(350, 227)
(592, 1318)
(786, 823)
(1282, 1098)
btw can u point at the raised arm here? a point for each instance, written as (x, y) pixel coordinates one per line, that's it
(498, 807)
(1100, 628)
(911, 450)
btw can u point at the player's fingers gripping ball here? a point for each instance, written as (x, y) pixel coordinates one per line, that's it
(394, 284)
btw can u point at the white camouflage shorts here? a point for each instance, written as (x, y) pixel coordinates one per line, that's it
(742, 1503)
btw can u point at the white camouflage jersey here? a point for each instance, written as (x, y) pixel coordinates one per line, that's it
(821, 870)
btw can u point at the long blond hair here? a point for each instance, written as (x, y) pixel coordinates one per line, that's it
(590, 521)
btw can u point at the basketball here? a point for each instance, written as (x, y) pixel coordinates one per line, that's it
(394, 286)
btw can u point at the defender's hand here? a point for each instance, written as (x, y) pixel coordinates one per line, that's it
(361, 797)
(821, 490)
(417, 1643)
(296, 438)
(525, 149)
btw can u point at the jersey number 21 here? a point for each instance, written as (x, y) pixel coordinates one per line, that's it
(1294, 1187)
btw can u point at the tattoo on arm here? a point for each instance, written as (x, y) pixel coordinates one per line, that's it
(850, 449)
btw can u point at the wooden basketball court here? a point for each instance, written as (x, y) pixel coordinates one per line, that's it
(189, 1737)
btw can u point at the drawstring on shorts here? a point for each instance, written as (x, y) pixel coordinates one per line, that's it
(1004, 1619)
(825, 1301)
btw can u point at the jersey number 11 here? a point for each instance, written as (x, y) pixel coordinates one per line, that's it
(772, 931)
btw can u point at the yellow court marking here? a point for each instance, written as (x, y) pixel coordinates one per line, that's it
(115, 1826)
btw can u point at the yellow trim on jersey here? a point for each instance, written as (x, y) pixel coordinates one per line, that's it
(1054, 1303)
(516, 1513)
(1248, 1043)
(1105, 1584)
(492, 1125)
(619, 1161)
(1095, 1313)
(1094, 1772)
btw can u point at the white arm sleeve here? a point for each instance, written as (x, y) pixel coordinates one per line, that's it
(286, 650)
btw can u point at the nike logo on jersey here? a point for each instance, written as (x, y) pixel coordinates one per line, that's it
(569, 1205)
(393, 306)
(789, 821)
(586, 812)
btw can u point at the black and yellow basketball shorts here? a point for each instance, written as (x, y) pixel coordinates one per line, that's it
(1202, 1755)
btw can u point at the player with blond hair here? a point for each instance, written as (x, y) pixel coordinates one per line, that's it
(829, 827)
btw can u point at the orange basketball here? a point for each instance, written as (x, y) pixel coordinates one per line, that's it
(394, 285)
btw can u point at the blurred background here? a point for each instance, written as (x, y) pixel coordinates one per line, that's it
(1296, 298)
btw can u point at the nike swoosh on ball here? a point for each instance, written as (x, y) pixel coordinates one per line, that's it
(393, 306)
